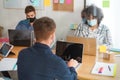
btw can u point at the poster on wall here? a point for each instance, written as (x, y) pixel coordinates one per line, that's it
(63, 5)
(20, 4)
(12, 3)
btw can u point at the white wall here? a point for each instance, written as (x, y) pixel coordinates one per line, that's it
(111, 18)
(10, 17)
(116, 20)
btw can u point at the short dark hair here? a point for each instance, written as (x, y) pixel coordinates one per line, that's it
(44, 27)
(29, 8)
(83, 13)
(95, 12)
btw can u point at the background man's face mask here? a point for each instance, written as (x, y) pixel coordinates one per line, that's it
(31, 19)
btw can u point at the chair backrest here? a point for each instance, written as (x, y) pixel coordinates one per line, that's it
(4, 40)
(89, 44)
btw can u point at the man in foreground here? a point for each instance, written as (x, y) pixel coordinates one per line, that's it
(39, 62)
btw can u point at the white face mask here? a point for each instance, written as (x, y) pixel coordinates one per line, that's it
(92, 22)
(53, 43)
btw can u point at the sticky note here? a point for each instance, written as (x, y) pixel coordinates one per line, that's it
(73, 26)
(106, 3)
(56, 1)
(102, 49)
(68, 1)
(62, 1)
(47, 2)
(35, 2)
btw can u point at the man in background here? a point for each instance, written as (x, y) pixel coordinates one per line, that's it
(27, 24)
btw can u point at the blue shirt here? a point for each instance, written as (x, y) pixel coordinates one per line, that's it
(24, 25)
(39, 63)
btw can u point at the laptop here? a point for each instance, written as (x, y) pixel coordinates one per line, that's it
(21, 37)
(90, 46)
(5, 49)
(69, 50)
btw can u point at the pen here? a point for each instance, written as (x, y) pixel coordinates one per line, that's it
(109, 68)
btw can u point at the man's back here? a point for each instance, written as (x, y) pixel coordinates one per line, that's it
(39, 63)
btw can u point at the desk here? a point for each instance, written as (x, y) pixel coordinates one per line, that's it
(15, 50)
(84, 72)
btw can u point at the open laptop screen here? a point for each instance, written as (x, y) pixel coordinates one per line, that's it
(69, 50)
(20, 37)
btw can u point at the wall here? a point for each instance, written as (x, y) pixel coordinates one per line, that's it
(10, 17)
(116, 16)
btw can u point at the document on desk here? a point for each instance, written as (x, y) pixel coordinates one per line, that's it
(7, 64)
(107, 69)
(116, 51)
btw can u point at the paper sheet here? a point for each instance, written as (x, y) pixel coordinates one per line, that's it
(68, 1)
(7, 64)
(62, 1)
(55, 1)
(47, 2)
(102, 49)
(108, 69)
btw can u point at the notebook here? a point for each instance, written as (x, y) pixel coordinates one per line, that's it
(69, 50)
(5, 49)
(21, 37)
(90, 46)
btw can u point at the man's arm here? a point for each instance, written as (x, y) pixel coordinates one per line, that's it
(67, 71)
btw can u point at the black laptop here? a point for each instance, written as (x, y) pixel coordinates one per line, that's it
(21, 37)
(69, 50)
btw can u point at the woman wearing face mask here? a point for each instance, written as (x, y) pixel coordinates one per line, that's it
(27, 24)
(93, 28)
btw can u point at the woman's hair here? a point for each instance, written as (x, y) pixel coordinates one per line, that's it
(29, 8)
(83, 13)
(95, 12)
(44, 27)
